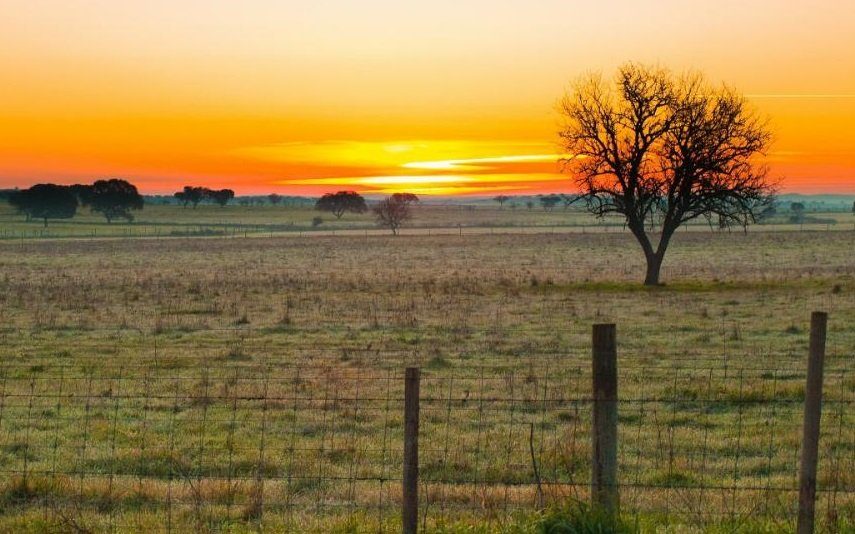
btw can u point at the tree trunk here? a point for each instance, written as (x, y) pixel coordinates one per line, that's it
(654, 265)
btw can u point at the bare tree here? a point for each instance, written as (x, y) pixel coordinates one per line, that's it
(663, 150)
(394, 211)
(501, 199)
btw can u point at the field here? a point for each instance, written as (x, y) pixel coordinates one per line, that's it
(236, 221)
(167, 382)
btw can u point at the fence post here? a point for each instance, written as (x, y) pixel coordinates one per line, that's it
(410, 510)
(810, 429)
(604, 488)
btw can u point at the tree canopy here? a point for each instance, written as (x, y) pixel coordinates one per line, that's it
(548, 202)
(45, 201)
(192, 195)
(663, 149)
(501, 199)
(113, 198)
(341, 202)
(221, 196)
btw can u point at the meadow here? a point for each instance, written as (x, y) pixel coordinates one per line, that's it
(159, 381)
(208, 220)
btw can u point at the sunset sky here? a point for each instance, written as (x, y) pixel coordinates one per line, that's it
(439, 97)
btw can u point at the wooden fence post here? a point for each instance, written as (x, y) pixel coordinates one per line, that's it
(410, 509)
(810, 429)
(604, 488)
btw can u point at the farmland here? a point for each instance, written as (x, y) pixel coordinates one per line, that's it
(252, 378)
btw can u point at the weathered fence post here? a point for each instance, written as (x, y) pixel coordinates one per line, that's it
(410, 509)
(604, 488)
(810, 429)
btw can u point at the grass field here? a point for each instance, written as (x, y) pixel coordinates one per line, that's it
(208, 220)
(239, 384)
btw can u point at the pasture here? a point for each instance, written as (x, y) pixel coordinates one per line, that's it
(164, 382)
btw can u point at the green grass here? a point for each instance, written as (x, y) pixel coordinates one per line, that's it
(148, 361)
(171, 221)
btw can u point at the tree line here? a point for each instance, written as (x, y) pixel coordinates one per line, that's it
(113, 198)
(117, 199)
(193, 195)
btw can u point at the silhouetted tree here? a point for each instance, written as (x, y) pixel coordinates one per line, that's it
(501, 199)
(548, 202)
(192, 195)
(341, 202)
(114, 199)
(655, 147)
(19, 200)
(221, 196)
(274, 199)
(408, 198)
(529, 204)
(45, 201)
(83, 192)
(394, 211)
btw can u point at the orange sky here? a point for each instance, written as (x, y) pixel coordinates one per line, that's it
(445, 97)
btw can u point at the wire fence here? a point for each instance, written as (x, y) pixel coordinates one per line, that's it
(104, 447)
(168, 230)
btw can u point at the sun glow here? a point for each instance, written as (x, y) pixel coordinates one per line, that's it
(419, 166)
(478, 163)
(267, 96)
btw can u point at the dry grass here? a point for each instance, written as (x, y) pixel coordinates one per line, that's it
(220, 384)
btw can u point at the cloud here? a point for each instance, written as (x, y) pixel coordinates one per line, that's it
(426, 166)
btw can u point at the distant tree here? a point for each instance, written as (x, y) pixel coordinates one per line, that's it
(548, 202)
(568, 200)
(529, 204)
(192, 195)
(394, 211)
(20, 200)
(341, 202)
(408, 198)
(45, 201)
(798, 210)
(274, 199)
(655, 147)
(114, 199)
(221, 196)
(501, 199)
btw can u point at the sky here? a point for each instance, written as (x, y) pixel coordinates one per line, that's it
(441, 97)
